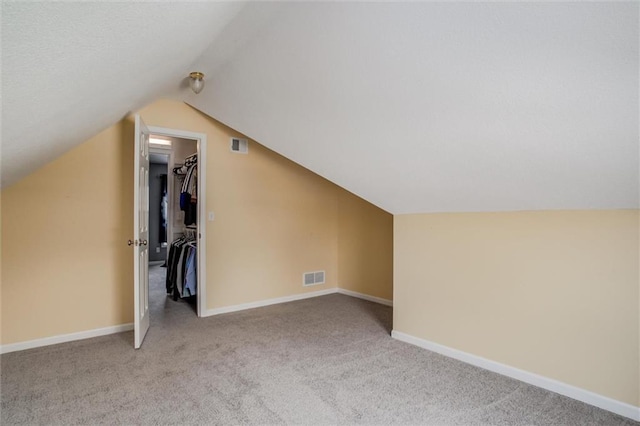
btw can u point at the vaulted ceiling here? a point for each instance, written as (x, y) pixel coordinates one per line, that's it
(416, 107)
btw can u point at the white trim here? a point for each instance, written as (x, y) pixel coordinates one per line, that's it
(184, 134)
(374, 299)
(201, 141)
(202, 225)
(54, 340)
(170, 204)
(63, 338)
(285, 299)
(267, 302)
(588, 397)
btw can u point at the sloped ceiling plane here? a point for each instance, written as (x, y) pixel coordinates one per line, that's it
(416, 107)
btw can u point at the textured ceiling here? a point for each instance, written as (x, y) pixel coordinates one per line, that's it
(416, 107)
(422, 107)
(72, 69)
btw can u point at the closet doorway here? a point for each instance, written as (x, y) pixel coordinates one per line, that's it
(176, 223)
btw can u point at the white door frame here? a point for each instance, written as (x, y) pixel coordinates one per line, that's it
(201, 143)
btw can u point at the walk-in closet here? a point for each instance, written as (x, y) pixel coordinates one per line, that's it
(173, 226)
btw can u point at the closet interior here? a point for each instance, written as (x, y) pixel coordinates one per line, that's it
(181, 280)
(174, 275)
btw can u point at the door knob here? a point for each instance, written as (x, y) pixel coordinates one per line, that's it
(129, 243)
(143, 242)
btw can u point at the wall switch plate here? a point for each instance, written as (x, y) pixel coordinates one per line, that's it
(211, 216)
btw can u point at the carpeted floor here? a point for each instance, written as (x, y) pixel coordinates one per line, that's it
(327, 360)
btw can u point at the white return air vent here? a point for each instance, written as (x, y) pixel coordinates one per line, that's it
(312, 278)
(239, 146)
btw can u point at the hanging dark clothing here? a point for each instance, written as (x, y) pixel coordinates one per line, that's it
(181, 271)
(188, 195)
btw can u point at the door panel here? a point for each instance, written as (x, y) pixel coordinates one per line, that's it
(141, 232)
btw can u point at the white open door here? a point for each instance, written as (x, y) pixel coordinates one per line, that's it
(141, 233)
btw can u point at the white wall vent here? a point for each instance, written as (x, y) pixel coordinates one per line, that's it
(239, 146)
(312, 278)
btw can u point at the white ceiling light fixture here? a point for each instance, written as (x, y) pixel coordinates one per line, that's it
(196, 81)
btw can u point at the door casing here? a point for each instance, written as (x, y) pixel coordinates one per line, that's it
(201, 144)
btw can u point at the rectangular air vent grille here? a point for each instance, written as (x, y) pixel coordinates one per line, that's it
(239, 146)
(313, 278)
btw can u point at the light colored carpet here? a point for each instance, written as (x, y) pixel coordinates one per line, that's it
(327, 360)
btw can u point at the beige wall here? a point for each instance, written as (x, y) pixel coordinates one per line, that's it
(274, 220)
(66, 265)
(553, 293)
(365, 247)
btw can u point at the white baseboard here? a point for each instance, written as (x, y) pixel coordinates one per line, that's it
(588, 397)
(267, 302)
(54, 340)
(379, 300)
